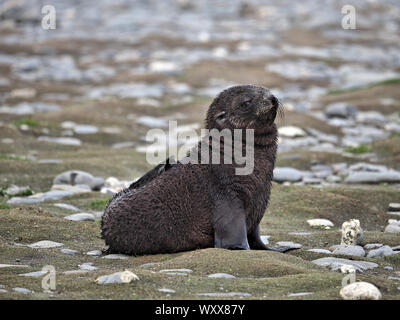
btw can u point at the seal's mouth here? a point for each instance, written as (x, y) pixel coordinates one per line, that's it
(269, 108)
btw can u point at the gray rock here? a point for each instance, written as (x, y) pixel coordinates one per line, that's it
(320, 251)
(62, 140)
(176, 270)
(221, 275)
(35, 274)
(389, 268)
(88, 266)
(76, 177)
(360, 291)
(225, 294)
(66, 206)
(340, 110)
(69, 251)
(350, 250)
(282, 174)
(380, 252)
(94, 253)
(165, 290)
(335, 263)
(80, 217)
(374, 177)
(45, 244)
(299, 294)
(371, 246)
(3, 291)
(397, 248)
(392, 228)
(118, 277)
(85, 129)
(22, 290)
(394, 206)
(116, 256)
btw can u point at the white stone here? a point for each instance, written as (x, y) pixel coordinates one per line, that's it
(352, 233)
(360, 291)
(221, 275)
(80, 217)
(291, 132)
(118, 277)
(45, 244)
(116, 256)
(320, 223)
(350, 250)
(320, 251)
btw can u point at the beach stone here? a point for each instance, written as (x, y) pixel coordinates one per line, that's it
(282, 174)
(389, 268)
(320, 223)
(380, 252)
(116, 256)
(394, 206)
(392, 228)
(3, 291)
(360, 291)
(80, 217)
(320, 251)
(225, 294)
(335, 263)
(352, 233)
(85, 129)
(94, 253)
(373, 177)
(371, 246)
(397, 248)
(61, 140)
(291, 132)
(2, 265)
(166, 290)
(350, 250)
(299, 294)
(69, 251)
(77, 177)
(221, 275)
(88, 266)
(34, 274)
(283, 246)
(22, 290)
(66, 206)
(340, 110)
(176, 270)
(264, 239)
(118, 277)
(45, 244)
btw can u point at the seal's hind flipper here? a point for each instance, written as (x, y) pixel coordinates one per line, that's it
(154, 173)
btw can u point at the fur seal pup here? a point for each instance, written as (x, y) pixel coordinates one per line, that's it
(184, 206)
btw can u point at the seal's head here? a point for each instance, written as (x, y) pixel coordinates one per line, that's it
(244, 107)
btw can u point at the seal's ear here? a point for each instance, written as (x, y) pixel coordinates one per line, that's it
(220, 117)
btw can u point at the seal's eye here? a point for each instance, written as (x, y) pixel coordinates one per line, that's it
(246, 105)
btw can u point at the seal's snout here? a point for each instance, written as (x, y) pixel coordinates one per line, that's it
(266, 104)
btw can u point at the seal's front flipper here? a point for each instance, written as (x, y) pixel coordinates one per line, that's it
(255, 241)
(154, 173)
(229, 221)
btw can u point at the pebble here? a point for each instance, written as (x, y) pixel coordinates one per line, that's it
(116, 256)
(371, 246)
(394, 206)
(221, 275)
(69, 251)
(360, 291)
(94, 253)
(88, 266)
(225, 294)
(61, 140)
(389, 268)
(118, 277)
(291, 132)
(335, 263)
(176, 270)
(282, 174)
(320, 223)
(66, 206)
(80, 217)
(349, 250)
(373, 177)
(284, 246)
(320, 251)
(34, 274)
(45, 244)
(22, 290)
(78, 177)
(392, 228)
(299, 294)
(166, 290)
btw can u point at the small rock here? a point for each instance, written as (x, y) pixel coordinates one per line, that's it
(69, 251)
(77, 177)
(94, 253)
(392, 228)
(85, 129)
(389, 268)
(397, 248)
(116, 256)
(335, 263)
(22, 290)
(45, 244)
(352, 233)
(320, 251)
(225, 294)
(3, 291)
(176, 270)
(299, 294)
(221, 275)
(66, 206)
(380, 252)
(264, 239)
(320, 223)
(340, 110)
(360, 291)
(34, 274)
(283, 246)
(118, 277)
(373, 177)
(80, 217)
(394, 206)
(350, 250)
(88, 266)
(165, 290)
(282, 174)
(291, 132)
(371, 246)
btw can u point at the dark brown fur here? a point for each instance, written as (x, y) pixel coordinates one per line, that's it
(178, 207)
